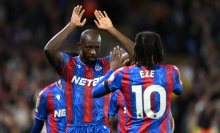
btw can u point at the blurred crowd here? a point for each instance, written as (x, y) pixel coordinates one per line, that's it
(189, 29)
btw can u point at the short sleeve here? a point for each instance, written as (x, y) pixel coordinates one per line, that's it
(41, 106)
(113, 106)
(115, 80)
(61, 69)
(178, 86)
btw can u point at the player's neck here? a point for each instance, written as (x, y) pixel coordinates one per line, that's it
(59, 84)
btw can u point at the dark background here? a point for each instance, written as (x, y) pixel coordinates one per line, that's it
(190, 31)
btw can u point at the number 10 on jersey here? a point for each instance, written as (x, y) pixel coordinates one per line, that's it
(141, 97)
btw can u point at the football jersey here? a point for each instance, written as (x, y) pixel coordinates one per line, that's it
(50, 106)
(78, 80)
(147, 95)
(117, 105)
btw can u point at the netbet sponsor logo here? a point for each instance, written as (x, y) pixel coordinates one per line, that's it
(60, 113)
(85, 81)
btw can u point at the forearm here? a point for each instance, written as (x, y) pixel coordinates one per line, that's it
(51, 50)
(127, 44)
(99, 90)
(38, 125)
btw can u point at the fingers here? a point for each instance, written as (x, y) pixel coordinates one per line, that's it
(78, 9)
(97, 24)
(105, 14)
(81, 14)
(83, 22)
(125, 62)
(110, 56)
(99, 14)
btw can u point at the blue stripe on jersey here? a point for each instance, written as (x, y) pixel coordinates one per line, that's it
(77, 78)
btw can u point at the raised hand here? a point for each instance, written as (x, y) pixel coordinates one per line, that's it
(77, 15)
(103, 21)
(116, 59)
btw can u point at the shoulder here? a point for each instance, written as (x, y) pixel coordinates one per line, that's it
(46, 90)
(67, 57)
(105, 60)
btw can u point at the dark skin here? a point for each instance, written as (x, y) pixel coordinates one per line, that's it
(103, 22)
(90, 47)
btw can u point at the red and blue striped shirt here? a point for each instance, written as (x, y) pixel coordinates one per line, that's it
(147, 95)
(50, 106)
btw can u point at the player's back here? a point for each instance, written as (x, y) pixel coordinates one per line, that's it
(148, 96)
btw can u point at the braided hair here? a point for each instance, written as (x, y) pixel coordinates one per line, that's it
(148, 49)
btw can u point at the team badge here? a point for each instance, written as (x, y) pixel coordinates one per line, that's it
(97, 67)
(38, 102)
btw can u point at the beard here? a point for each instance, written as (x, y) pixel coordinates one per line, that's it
(88, 60)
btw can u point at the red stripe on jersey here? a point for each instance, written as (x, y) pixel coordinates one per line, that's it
(106, 63)
(126, 90)
(60, 71)
(51, 108)
(169, 75)
(147, 81)
(122, 114)
(88, 102)
(68, 88)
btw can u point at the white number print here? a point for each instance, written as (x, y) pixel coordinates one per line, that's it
(137, 89)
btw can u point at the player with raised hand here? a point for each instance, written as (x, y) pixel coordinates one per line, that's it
(80, 74)
(147, 86)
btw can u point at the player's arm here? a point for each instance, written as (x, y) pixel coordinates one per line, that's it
(178, 86)
(113, 107)
(104, 22)
(51, 49)
(38, 125)
(111, 120)
(115, 63)
(172, 124)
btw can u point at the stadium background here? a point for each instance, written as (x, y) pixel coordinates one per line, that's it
(190, 31)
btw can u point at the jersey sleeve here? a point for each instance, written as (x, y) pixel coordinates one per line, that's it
(41, 106)
(115, 80)
(113, 106)
(61, 70)
(178, 86)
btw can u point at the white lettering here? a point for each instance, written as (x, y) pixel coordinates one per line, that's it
(96, 80)
(89, 82)
(82, 81)
(59, 113)
(142, 74)
(63, 112)
(147, 73)
(76, 79)
(152, 73)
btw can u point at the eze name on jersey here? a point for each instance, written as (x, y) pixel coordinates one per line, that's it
(147, 73)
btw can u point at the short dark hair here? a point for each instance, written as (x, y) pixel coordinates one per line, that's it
(148, 49)
(88, 34)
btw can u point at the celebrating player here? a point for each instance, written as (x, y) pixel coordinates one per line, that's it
(80, 74)
(147, 86)
(50, 106)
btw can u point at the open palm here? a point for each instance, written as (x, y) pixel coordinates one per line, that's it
(104, 22)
